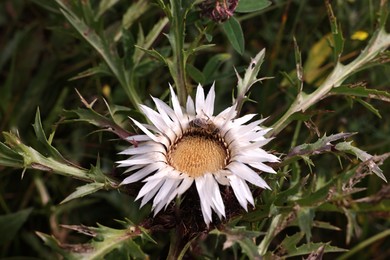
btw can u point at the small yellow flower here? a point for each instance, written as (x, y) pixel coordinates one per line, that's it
(106, 90)
(359, 35)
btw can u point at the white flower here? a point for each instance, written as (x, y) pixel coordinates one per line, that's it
(183, 146)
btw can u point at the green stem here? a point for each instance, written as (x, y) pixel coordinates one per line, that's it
(379, 43)
(177, 68)
(271, 232)
(175, 245)
(364, 244)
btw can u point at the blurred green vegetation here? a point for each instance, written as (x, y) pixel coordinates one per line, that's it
(40, 53)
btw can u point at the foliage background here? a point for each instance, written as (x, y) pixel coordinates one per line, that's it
(40, 53)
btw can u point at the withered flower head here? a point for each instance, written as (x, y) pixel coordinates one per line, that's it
(218, 10)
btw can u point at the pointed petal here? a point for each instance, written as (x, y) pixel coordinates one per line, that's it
(148, 187)
(205, 202)
(141, 173)
(199, 101)
(209, 103)
(246, 173)
(176, 104)
(190, 107)
(146, 131)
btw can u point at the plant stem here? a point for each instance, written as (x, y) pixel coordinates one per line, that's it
(176, 37)
(175, 245)
(303, 101)
(364, 244)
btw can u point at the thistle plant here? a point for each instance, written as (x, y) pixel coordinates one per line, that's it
(177, 150)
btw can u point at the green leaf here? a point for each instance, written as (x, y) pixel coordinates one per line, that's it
(338, 40)
(195, 74)
(324, 144)
(213, 64)
(134, 12)
(84, 190)
(325, 225)
(234, 34)
(92, 117)
(146, 42)
(100, 69)
(10, 158)
(244, 238)
(128, 43)
(11, 223)
(35, 160)
(49, 149)
(105, 241)
(249, 248)
(370, 107)
(305, 220)
(154, 54)
(104, 5)
(289, 243)
(365, 157)
(362, 91)
(310, 247)
(247, 6)
(103, 46)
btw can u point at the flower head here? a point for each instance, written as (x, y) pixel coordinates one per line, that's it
(185, 146)
(218, 10)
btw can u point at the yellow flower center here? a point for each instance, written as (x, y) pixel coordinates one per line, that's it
(198, 153)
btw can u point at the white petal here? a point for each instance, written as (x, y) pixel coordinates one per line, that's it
(190, 107)
(133, 167)
(199, 101)
(241, 191)
(243, 119)
(176, 104)
(148, 187)
(209, 103)
(141, 173)
(138, 138)
(155, 118)
(262, 167)
(165, 172)
(246, 173)
(216, 197)
(185, 185)
(148, 196)
(146, 131)
(204, 196)
(163, 197)
(164, 110)
(150, 158)
(147, 148)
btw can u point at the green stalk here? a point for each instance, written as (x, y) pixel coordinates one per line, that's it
(364, 244)
(303, 101)
(176, 37)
